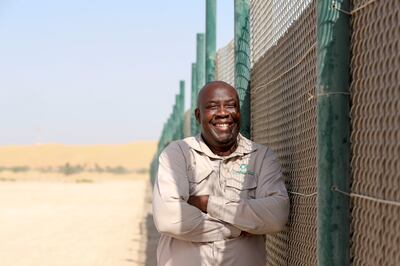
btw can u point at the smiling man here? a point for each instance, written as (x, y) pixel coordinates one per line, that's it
(217, 194)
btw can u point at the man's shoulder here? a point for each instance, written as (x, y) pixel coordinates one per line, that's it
(260, 149)
(182, 144)
(254, 146)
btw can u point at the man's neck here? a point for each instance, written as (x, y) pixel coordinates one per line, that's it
(225, 150)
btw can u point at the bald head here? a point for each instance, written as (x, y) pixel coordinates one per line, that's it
(211, 86)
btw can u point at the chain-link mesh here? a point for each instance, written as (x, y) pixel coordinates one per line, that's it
(270, 20)
(224, 66)
(284, 115)
(375, 137)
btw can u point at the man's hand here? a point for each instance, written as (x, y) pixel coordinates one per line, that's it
(199, 201)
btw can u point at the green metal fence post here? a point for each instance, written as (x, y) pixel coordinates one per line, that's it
(182, 106)
(193, 105)
(175, 119)
(200, 61)
(333, 150)
(211, 36)
(242, 61)
(200, 68)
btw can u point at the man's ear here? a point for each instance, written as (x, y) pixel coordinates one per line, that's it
(197, 115)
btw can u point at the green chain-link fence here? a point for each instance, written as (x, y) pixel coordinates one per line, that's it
(173, 129)
(296, 66)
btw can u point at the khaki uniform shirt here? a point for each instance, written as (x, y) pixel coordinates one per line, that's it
(246, 193)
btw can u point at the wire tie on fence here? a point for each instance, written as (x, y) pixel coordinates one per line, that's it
(311, 96)
(335, 5)
(354, 195)
(303, 195)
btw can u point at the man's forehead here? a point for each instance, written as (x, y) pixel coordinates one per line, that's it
(217, 92)
(214, 88)
(220, 93)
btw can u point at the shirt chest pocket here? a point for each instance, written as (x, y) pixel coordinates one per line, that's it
(199, 181)
(241, 186)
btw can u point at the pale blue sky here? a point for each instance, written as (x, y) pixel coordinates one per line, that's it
(88, 72)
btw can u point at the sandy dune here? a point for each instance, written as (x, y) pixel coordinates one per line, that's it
(129, 157)
(134, 155)
(56, 223)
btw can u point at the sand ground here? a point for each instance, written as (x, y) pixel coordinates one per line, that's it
(54, 223)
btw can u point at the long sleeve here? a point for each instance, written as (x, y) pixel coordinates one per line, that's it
(267, 213)
(173, 216)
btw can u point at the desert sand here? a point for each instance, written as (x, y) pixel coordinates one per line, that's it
(133, 155)
(83, 219)
(55, 223)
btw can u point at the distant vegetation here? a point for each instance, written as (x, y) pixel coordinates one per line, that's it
(15, 169)
(70, 169)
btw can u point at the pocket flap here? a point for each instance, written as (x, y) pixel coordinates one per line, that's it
(242, 182)
(199, 175)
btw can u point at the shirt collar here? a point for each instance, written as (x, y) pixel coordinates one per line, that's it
(245, 146)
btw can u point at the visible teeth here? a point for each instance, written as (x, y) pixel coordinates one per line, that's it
(222, 125)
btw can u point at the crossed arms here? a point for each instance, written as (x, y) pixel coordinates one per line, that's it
(209, 218)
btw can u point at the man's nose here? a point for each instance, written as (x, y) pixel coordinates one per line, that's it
(222, 111)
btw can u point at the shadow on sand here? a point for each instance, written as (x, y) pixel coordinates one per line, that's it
(149, 236)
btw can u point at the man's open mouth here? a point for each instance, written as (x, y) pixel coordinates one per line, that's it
(223, 125)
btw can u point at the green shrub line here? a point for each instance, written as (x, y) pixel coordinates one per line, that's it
(70, 169)
(15, 169)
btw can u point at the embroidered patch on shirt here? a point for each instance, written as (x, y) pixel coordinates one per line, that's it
(243, 170)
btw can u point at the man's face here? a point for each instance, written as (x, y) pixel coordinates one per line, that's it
(219, 115)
